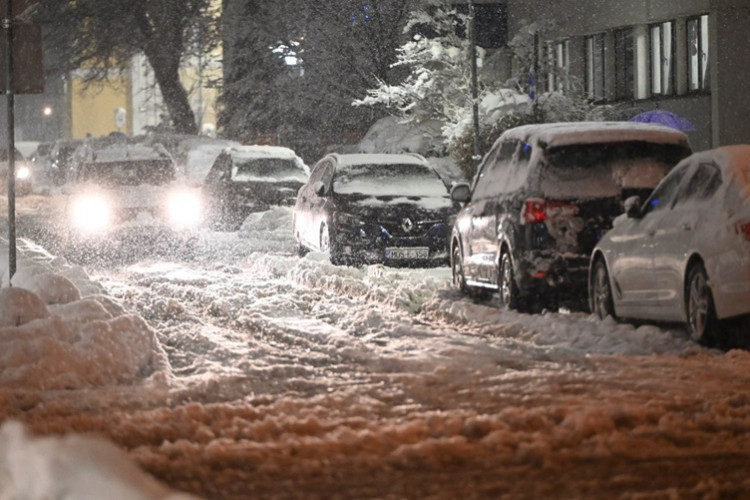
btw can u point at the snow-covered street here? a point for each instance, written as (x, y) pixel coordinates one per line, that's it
(271, 376)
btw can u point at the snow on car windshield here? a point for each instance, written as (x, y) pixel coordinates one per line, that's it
(267, 170)
(128, 173)
(594, 170)
(389, 180)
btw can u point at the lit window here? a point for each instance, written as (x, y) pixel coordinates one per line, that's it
(697, 40)
(662, 59)
(558, 62)
(595, 67)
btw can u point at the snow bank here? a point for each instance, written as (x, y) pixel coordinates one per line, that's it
(57, 330)
(74, 466)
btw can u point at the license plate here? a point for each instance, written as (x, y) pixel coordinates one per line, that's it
(407, 253)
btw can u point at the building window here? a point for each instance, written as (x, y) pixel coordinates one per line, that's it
(662, 58)
(595, 67)
(624, 69)
(558, 61)
(697, 53)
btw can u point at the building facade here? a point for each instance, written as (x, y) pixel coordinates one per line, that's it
(690, 57)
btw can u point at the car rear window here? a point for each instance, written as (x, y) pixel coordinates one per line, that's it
(597, 170)
(389, 180)
(267, 170)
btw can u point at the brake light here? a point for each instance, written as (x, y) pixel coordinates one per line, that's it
(743, 228)
(536, 210)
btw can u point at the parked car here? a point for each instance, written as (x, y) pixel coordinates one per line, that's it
(58, 161)
(370, 208)
(126, 194)
(684, 254)
(246, 179)
(543, 197)
(24, 175)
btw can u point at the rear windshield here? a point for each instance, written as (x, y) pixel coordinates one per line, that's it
(267, 169)
(128, 173)
(389, 180)
(596, 170)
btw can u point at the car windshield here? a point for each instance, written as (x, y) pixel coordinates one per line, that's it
(128, 173)
(405, 179)
(595, 170)
(267, 169)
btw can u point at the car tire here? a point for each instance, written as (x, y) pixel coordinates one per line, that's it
(506, 284)
(702, 323)
(600, 295)
(459, 280)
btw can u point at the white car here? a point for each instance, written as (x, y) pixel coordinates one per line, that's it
(684, 254)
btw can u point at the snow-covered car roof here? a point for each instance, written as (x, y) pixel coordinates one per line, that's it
(132, 152)
(349, 160)
(567, 133)
(257, 151)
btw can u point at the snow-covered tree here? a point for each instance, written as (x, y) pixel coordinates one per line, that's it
(341, 48)
(438, 81)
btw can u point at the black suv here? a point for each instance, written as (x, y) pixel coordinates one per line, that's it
(375, 208)
(542, 198)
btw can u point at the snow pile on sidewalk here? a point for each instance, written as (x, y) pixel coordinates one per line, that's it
(57, 331)
(80, 467)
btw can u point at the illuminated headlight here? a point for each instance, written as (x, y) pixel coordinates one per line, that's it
(23, 173)
(348, 220)
(91, 214)
(184, 209)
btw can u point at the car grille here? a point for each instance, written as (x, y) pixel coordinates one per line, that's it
(402, 228)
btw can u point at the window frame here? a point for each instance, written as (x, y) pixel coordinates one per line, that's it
(703, 77)
(624, 53)
(595, 84)
(665, 72)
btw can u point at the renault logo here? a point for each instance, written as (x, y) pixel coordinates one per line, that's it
(407, 225)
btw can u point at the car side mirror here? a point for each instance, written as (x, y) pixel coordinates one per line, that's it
(633, 207)
(461, 192)
(320, 188)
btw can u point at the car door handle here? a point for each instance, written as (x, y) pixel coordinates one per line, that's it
(686, 226)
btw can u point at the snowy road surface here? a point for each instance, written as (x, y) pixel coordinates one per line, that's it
(292, 378)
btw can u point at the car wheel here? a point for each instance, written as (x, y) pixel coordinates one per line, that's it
(459, 281)
(702, 323)
(507, 288)
(601, 292)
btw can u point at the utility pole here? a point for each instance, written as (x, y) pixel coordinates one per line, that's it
(7, 24)
(21, 40)
(474, 83)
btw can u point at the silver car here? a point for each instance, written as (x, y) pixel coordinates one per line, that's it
(684, 254)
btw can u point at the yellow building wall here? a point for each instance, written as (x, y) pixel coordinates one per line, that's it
(93, 109)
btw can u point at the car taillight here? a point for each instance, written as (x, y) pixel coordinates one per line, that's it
(743, 228)
(537, 210)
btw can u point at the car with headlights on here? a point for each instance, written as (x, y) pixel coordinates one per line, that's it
(542, 198)
(124, 195)
(23, 173)
(246, 179)
(375, 208)
(683, 255)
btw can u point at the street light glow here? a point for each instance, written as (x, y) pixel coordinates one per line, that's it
(47, 111)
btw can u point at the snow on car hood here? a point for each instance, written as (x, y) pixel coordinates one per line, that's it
(379, 206)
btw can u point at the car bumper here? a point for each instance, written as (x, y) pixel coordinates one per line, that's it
(369, 245)
(562, 278)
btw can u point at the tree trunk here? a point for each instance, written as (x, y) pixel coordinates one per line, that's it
(175, 96)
